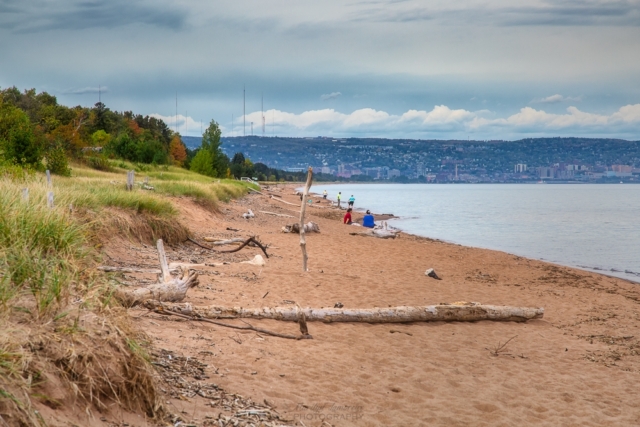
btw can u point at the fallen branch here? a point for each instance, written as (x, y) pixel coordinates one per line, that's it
(276, 214)
(110, 269)
(255, 191)
(498, 348)
(283, 201)
(223, 242)
(458, 312)
(226, 325)
(246, 242)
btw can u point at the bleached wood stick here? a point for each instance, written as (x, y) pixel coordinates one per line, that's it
(463, 312)
(283, 201)
(166, 276)
(276, 214)
(110, 269)
(223, 242)
(303, 207)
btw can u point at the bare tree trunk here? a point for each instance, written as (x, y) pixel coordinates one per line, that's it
(469, 312)
(303, 207)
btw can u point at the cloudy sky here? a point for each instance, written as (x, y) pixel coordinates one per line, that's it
(479, 69)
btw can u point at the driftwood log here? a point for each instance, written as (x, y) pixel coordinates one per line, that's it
(310, 227)
(218, 242)
(382, 234)
(457, 312)
(168, 289)
(276, 214)
(283, 201)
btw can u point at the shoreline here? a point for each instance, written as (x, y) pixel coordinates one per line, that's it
(550, 373)
(633, 277)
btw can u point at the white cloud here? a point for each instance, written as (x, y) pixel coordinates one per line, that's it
(444, 122)
(186, 125)
(554, 99)
(332, 95)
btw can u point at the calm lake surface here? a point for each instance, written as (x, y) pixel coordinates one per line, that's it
(590, 226)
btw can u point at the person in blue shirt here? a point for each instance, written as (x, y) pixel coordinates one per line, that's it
(351, 200)
(368, 221)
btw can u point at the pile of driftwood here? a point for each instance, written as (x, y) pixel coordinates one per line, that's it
(310, 227)
(165, 297)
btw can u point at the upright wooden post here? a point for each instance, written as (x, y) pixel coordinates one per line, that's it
(50, 199)
(166, 276)
(303, 207)
(130, 178)
(49, 178)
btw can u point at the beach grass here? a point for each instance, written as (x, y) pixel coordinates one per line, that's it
(51, 297)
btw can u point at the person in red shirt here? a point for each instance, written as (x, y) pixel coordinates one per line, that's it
(347, 217)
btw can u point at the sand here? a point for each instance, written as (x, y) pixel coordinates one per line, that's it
(579, 366)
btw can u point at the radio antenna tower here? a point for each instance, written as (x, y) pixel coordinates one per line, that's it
(99, 94)
(176, 126)
(244, 113)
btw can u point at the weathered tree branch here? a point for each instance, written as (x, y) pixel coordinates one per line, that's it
(251, 239)
(303, 336)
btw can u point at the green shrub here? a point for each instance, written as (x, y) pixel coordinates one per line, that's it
(57, 161)
(100, 163)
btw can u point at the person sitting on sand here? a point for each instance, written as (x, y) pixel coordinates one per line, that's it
(347, 217)
(324, 194)
(351, 200)
(368, 221)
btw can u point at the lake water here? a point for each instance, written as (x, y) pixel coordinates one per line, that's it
(594, 227)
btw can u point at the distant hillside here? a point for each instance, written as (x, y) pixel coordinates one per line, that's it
(192, 142)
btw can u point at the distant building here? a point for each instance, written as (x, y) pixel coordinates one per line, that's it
(519, 168)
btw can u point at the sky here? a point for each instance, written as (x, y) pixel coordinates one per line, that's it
(469, 69)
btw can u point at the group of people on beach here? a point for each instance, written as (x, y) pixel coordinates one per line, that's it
(367, 221)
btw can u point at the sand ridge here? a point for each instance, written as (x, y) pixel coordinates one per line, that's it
(577, 366)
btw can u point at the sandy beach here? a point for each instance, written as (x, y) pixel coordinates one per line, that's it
(578, 366)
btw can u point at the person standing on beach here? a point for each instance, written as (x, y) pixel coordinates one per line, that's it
(324, 194)
(339, 197)
(347, 217)
(351, 201)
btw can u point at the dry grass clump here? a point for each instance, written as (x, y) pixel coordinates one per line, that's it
(60, 342)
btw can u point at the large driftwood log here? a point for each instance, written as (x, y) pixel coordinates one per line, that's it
(457, 312)
(168, 289)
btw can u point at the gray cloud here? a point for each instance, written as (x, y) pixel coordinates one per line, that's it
(332, 95)
(38, 16)
(554, 99)
(556, 13)
(86, 90)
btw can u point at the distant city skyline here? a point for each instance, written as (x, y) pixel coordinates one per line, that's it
(379, 68)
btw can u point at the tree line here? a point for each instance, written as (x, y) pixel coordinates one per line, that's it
(38, 133)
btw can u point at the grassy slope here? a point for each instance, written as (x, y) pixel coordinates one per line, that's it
(52, 300)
